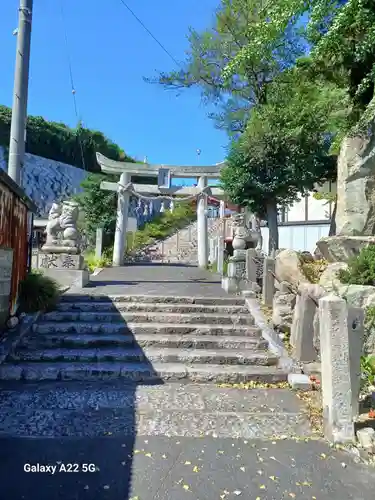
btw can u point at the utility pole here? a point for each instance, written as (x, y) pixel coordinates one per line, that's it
(20, 92)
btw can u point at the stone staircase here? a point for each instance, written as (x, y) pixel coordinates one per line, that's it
(144, 339)
(181, 247)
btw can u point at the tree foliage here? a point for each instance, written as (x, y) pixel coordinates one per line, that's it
(342, 38)
(59, 142)
(235, 24)
(99, 207)
(285, 149)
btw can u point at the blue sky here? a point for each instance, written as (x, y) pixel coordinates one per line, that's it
(110, 53)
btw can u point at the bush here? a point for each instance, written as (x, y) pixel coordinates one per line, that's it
(314, 270)
(38, 293)
(367, 371)
(93, 262)
(361, 269)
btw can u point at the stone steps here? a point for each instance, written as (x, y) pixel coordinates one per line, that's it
(141, 372)
(150, 307)
(145, 317)
(54, 340)
(144, 339)
(148, 327)
(150, 355)
(75, 298)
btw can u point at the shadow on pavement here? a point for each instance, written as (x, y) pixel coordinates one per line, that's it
(83, 431)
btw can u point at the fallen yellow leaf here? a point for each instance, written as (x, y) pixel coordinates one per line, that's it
(273, 478)
(306, 483)
(292, 495)
(262, 487)
(186, 487)
(195, 469)
(148, 455)
(187, 462)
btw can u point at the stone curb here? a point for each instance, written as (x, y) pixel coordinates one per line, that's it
(275, 344)
(14, 336)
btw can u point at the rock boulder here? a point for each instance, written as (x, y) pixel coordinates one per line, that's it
(329, 279)
(288, 268)
(355, 213)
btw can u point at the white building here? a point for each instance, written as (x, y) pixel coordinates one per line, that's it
(305, 222)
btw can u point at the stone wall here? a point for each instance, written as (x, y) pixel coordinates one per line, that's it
(46, 181)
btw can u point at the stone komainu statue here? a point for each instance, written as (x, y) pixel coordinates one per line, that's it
(61, 229)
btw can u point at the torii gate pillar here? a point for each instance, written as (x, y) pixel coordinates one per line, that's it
(202, 228)
(119, 245)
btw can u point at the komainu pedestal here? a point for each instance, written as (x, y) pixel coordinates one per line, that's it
(61, 257)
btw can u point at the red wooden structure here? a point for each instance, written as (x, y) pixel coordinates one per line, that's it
(16, 211)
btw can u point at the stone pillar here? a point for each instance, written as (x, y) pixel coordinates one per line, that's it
(268, 281)
(251, 265)
(99, 243)
(213, 250)
(341, 341)
(202, 225)
(220, 255)
(121, 221)
(303, 337)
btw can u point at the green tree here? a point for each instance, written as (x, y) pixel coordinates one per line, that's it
(59, 142)
(100, 207)
(284, 151)
(235, 24)
(342, 38)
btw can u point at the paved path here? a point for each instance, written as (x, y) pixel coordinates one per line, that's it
(156, 279)
(167, 442)
(174, 455)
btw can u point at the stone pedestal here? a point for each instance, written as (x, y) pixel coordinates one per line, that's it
(65, 268)
(236, 280)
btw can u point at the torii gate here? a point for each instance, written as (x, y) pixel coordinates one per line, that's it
(164, 174)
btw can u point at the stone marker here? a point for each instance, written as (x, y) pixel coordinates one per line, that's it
(220, 255)
(268, 281)
(99, 243)
(341, 340)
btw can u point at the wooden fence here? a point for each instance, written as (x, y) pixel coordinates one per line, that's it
(16, 211)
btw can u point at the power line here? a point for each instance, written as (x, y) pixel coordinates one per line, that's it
(150, 33)
(72, 82)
